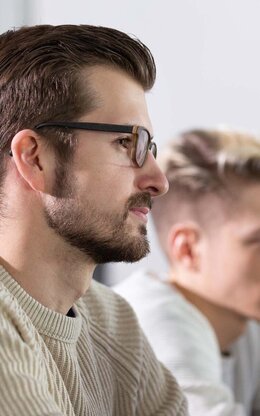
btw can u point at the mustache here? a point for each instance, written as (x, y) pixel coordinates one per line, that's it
(139, 200)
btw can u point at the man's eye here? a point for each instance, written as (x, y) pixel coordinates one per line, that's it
(125, 142)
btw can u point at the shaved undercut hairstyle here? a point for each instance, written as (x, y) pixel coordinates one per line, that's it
(199, 164)
(41, 77)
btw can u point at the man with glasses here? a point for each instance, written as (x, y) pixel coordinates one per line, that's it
(78, 175)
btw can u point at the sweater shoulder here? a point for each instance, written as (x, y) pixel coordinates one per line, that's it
(120, 343)
(110, 313)
(13, 320)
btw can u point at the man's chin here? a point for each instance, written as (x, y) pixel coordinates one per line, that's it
(129, 252)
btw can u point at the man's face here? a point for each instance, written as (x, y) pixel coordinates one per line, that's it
(231, 256)
(103, 209)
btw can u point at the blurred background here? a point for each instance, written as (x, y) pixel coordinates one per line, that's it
(208, 66)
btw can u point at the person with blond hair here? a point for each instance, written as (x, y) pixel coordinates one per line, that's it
(201, 317)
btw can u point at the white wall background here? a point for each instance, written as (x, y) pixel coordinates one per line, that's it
(207, 54)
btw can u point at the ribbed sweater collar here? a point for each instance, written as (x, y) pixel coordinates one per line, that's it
(46, 321)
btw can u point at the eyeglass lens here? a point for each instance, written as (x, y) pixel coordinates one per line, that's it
(143, 145)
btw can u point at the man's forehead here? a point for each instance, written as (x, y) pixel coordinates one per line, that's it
(119, 99)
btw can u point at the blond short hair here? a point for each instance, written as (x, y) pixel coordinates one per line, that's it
(203, 160)
(200, 165)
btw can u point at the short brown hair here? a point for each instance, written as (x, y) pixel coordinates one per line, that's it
(203, 162)
(40, 69)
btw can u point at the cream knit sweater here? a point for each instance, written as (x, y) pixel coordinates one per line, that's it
(96, 363)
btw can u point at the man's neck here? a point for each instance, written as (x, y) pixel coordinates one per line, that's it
(227, 324)
(55, 275)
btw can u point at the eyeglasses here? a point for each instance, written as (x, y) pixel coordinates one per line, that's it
(142, 140)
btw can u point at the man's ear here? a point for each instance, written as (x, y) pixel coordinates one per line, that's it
(184, 245)
(27, 154)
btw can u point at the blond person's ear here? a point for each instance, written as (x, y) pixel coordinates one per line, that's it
(184, 246)
(27, 154)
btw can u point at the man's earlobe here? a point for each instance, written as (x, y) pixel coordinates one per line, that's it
(25, 151)
(182, 242)
(182, 249)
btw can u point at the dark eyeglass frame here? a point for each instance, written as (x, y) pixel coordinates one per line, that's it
(113, 128)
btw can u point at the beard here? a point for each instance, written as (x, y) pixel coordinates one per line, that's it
(103, 237)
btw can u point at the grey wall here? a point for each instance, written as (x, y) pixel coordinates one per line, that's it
(12, 13)
(207, 54)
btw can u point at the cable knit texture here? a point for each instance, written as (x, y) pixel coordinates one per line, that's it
(96, 363)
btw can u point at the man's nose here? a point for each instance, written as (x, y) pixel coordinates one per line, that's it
(151, 179)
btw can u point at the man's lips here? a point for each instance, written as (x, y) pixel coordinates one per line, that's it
(140, 212)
